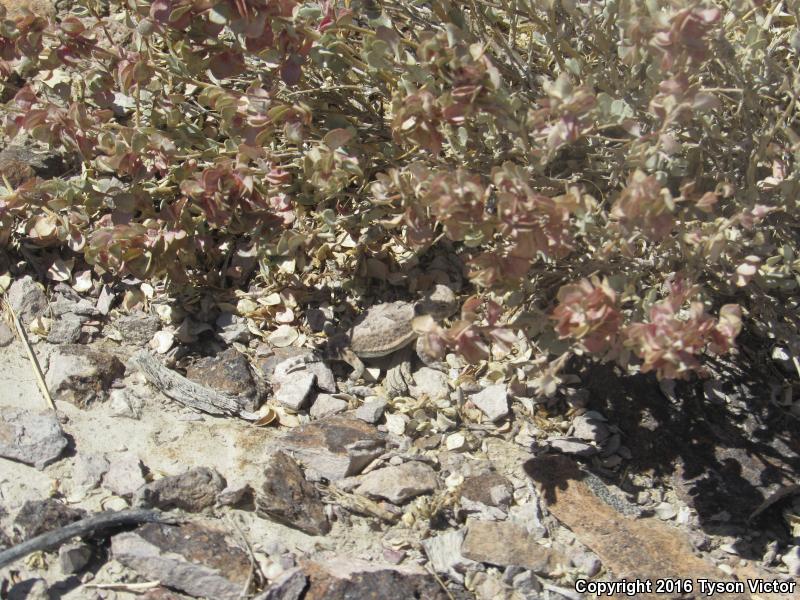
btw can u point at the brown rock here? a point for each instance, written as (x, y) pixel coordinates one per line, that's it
(486, 491)
(80, 374)
(335, 447)
(507, 544)
(289, 499)
(354, 579)
(40, 516)
(642, 548)
(192, 491)
(195, 558)
(227, 372)
(400, 483)
(16, 8)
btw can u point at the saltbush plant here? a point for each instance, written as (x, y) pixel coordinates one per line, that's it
(619, 178)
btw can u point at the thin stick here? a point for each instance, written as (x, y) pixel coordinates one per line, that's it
(31, 356)
(85, 527)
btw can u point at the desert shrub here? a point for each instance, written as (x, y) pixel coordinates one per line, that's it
(619, 178)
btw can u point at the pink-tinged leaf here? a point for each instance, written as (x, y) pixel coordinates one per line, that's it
(226, 64)
(337, 138)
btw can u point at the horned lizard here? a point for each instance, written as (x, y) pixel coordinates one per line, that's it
(387, 328)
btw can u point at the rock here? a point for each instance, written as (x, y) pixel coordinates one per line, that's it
(124, 403)
(232, 328)
(295, 393)
(288, 368)
(227, 372)
(665, 511)
(346, 578)
(444, 553)
(430, 382)
(31, 438)
(88, 471)
(398, 484)
(506, 544)
(136, 329)
(288, 586)
(124, 476)
(66, 330)
(792, 560)
(192, 491)
(62, 306)
(372, 411)
(487, 494)
(6, 334)
(27, 299)
(276, 356)
(573, 446)
(325, 378)
(237, 497)
(40, 8)
(584, 427)
(492, 401)
(80, 374)
(643, 548)
(73, 557)
(195, 558)
(326, 405)
(335, 447)
(29, 589)
(40, 516)
(288, 498)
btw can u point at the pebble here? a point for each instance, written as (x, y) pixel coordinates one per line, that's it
(372, 410)
(295, 392)
(325, 405)
(791, 559)
(492, 401)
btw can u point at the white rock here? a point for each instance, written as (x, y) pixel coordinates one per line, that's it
(430, 382)
(665, 511)
(444, 552)
(371, 411)
(325, 405)
(294, 392)
(398, 484)
(455, 442)
(492, 401)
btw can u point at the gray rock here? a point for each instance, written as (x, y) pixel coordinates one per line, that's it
(289, 586)
(326, 405)
(444, 553)
(137, 329)
(372, 411)
(192, 491)
(29, 589)
(325, 378)
(40, 516)
(492, 401)
(269, 364)
(195, 558)
(66, 330)
(232, 328)
(31, 438)
(505, 544)
(584, 427)
(27, 299)
(398, 484)
(289, 368)
(80, 374)
(487, 494)
(294, 393)
(288, 498)
(124, 475)
(6, 334)
(88, 470)
(73, 557)
(62, 306)
(430, 382)
(573, 446)
(665, 511)
(335, 447)
(792, 560)
(242, 497)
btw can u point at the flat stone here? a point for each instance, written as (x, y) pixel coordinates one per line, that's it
(125, 475)
(586, 428)
(573, 446)
(81, 374)
(444, 553)
(137, 329)
(286, 497)
(66, 330)
(40, 516)
(430, 382)
(74, 556)
(227, 372)
(27, 299)
(326, 405)
(268, 364)
(237, 497)
(400, 483)
(345, 578)
(29, 589)
(488, 494)
(88, 470)
(288, 368)
(62, 306)
(492, 401)
(372, 411)
(31, 438)
(288, 586)
(506, 544)
(6, 334)
(643, 548)
(295, 393)
(195, 558)
(192, 491)
(335, 447)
